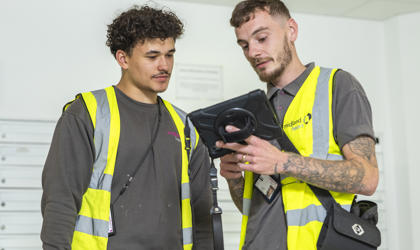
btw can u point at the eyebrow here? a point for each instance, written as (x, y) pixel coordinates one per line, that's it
(158, 52)
(259, 30)
(253, 33)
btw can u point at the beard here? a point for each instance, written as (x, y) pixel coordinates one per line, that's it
(283, 58)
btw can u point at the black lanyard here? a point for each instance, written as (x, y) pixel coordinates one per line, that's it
(131, 177)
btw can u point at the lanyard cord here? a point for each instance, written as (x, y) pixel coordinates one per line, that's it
(216, 211)
(131, 177)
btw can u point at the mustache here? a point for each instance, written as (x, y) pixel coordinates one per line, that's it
(258, 60)
(162, 73)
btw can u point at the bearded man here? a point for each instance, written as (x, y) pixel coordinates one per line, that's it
(327, 117)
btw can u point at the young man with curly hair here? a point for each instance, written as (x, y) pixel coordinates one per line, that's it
(326, 115)
(120, 173)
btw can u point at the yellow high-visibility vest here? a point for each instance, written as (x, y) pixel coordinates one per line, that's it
(308, 124)
(91, 229)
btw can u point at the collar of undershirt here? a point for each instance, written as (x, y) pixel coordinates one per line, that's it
(293, 87)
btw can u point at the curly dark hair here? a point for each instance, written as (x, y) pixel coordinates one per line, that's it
(243, 10)
(139, 24)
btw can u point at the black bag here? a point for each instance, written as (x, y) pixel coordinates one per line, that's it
(343, 230)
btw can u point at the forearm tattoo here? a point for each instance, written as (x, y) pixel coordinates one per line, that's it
(339, 176)
(364, 147)
(236, 188)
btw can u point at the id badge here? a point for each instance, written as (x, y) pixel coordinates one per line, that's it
(111, 223)
(268, 186)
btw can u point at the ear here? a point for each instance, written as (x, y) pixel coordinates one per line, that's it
(292, 30)
(122, 59)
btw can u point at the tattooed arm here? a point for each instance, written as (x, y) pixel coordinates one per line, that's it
(236, 188)
(358, 173)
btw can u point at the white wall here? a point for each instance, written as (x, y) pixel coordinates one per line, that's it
(410, 54)
(52, 50)
(403, 53)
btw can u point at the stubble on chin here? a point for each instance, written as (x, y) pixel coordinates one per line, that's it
(283, 60)
(271, 76)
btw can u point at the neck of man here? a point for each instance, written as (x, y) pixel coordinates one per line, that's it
(290, 73)
(136, 93)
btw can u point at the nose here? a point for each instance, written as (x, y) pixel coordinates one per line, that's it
(163, 64)
(254, 51)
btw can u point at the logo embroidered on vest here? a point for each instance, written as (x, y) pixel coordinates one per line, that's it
(175, 134)
(307, 118)
(299, 123)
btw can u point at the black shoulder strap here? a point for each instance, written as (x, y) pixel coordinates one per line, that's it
(323, 195)
(286, 144)
(216, 211)
(187, 132)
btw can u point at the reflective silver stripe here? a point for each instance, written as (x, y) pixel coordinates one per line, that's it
(301, 217)
(101, 139)
(193, 137)
(346, 207)
(91, 226)
(104, 182)
(187, 236)
(246, 206)
(334, 157)
(320, 116)
(185, 191)
(99, 179)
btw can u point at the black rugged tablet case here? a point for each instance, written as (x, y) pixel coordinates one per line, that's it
(251, 113)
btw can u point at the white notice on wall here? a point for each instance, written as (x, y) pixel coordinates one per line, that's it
(199, 81)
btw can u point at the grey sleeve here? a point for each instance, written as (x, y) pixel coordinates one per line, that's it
(66, 176)
(352, 114)
(201, 198)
